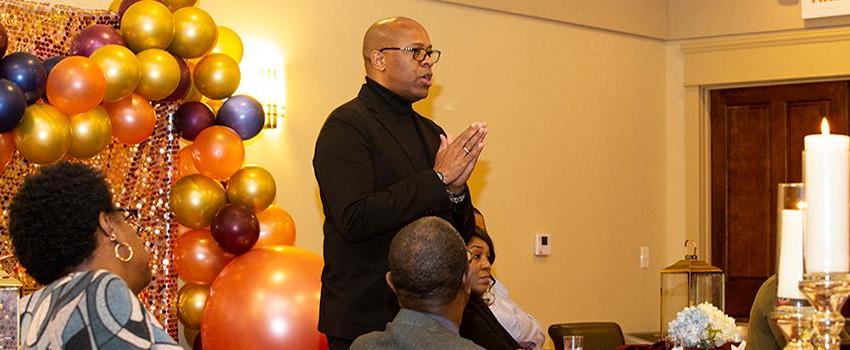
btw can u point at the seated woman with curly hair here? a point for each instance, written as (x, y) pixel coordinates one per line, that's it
(68, 235)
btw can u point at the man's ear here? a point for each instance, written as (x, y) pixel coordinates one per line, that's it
(467, 279)
(376, 59)
(389, 281)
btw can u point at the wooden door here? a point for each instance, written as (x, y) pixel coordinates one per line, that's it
(756, 143)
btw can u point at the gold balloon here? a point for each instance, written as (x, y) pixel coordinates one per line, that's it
(175, 5)
(90, 133)
(147, 24)
(191, 299)
(196, 199)
(228, 43)
(194, 33)
(44, 135)
(160, 74)
(252, 187)
(120, 68)
(216, 76)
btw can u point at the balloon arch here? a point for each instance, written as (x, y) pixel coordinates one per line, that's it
(118, 90)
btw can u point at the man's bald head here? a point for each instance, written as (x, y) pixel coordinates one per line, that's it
(386, 33)
(395, 68)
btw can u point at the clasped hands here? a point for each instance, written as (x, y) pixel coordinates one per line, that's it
(457, 156)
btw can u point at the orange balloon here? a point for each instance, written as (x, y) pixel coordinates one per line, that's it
(75, 85)
(185, 166)
(133, 119)
(276, 228)
(218, 152)
(267, 298)
(7, 149)
(198, 258)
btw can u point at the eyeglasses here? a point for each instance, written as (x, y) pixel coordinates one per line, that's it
(131, 216)
(419, 54)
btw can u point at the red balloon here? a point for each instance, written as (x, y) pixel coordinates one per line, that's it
(276, 228)
(218, 152)
(133, 119)
(235, 229)
(197, 258)
(265, 299)
(7, 149)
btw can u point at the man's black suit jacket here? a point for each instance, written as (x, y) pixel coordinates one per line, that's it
(370, 188)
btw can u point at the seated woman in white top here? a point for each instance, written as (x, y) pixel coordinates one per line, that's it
(523, 327)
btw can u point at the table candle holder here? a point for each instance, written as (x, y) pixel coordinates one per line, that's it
(794, 320)
(827, 292)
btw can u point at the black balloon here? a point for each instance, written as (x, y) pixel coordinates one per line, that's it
(243, 114)
(94, 37)
(4, 40)
(185, 81)
(235, 229)
(12, 105)
(51, 62)
(191, 118)
(27, 71)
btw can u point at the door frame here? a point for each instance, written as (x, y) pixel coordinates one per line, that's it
(795, 57)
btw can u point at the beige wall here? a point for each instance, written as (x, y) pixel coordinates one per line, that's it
(713, 18)
(644, 18)
(577, 147)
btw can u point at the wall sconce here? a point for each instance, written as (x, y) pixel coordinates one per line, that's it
(270, 96)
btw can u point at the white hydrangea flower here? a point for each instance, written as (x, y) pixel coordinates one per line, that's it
(703, 326)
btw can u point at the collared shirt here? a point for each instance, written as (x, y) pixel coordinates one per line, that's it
(445, 322)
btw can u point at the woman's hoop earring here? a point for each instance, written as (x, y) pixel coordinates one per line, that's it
(128, 248)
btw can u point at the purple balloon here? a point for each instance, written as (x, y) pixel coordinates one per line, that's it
(94, 37)
(235, 229)
(12, 105)
(4, 40)
(125, 4)
(243, 114)
(191, 118)
(27, 71)
(185, 81)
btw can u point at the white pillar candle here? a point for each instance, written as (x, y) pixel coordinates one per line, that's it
(827, 241)
(790, 270)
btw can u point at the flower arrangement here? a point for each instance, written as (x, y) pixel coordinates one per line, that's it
(703, 326)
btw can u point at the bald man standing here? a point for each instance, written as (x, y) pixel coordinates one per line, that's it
(380, 165)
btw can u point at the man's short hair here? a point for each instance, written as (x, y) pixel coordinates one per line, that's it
(427, 260)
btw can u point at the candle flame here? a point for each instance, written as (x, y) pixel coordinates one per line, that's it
(824, 126)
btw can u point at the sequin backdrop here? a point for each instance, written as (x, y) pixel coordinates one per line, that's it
(140, 175)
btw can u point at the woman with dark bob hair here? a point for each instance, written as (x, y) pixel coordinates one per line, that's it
(491, 319)
(68, 235)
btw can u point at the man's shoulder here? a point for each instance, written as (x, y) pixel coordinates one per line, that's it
(414, 331)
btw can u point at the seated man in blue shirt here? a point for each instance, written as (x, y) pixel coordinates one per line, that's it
(428, 272)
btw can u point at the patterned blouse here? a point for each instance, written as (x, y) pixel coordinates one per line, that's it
(89, 310)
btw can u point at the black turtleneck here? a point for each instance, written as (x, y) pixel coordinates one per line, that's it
(402, 110)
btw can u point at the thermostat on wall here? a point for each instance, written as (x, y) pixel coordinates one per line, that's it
(542, 244)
